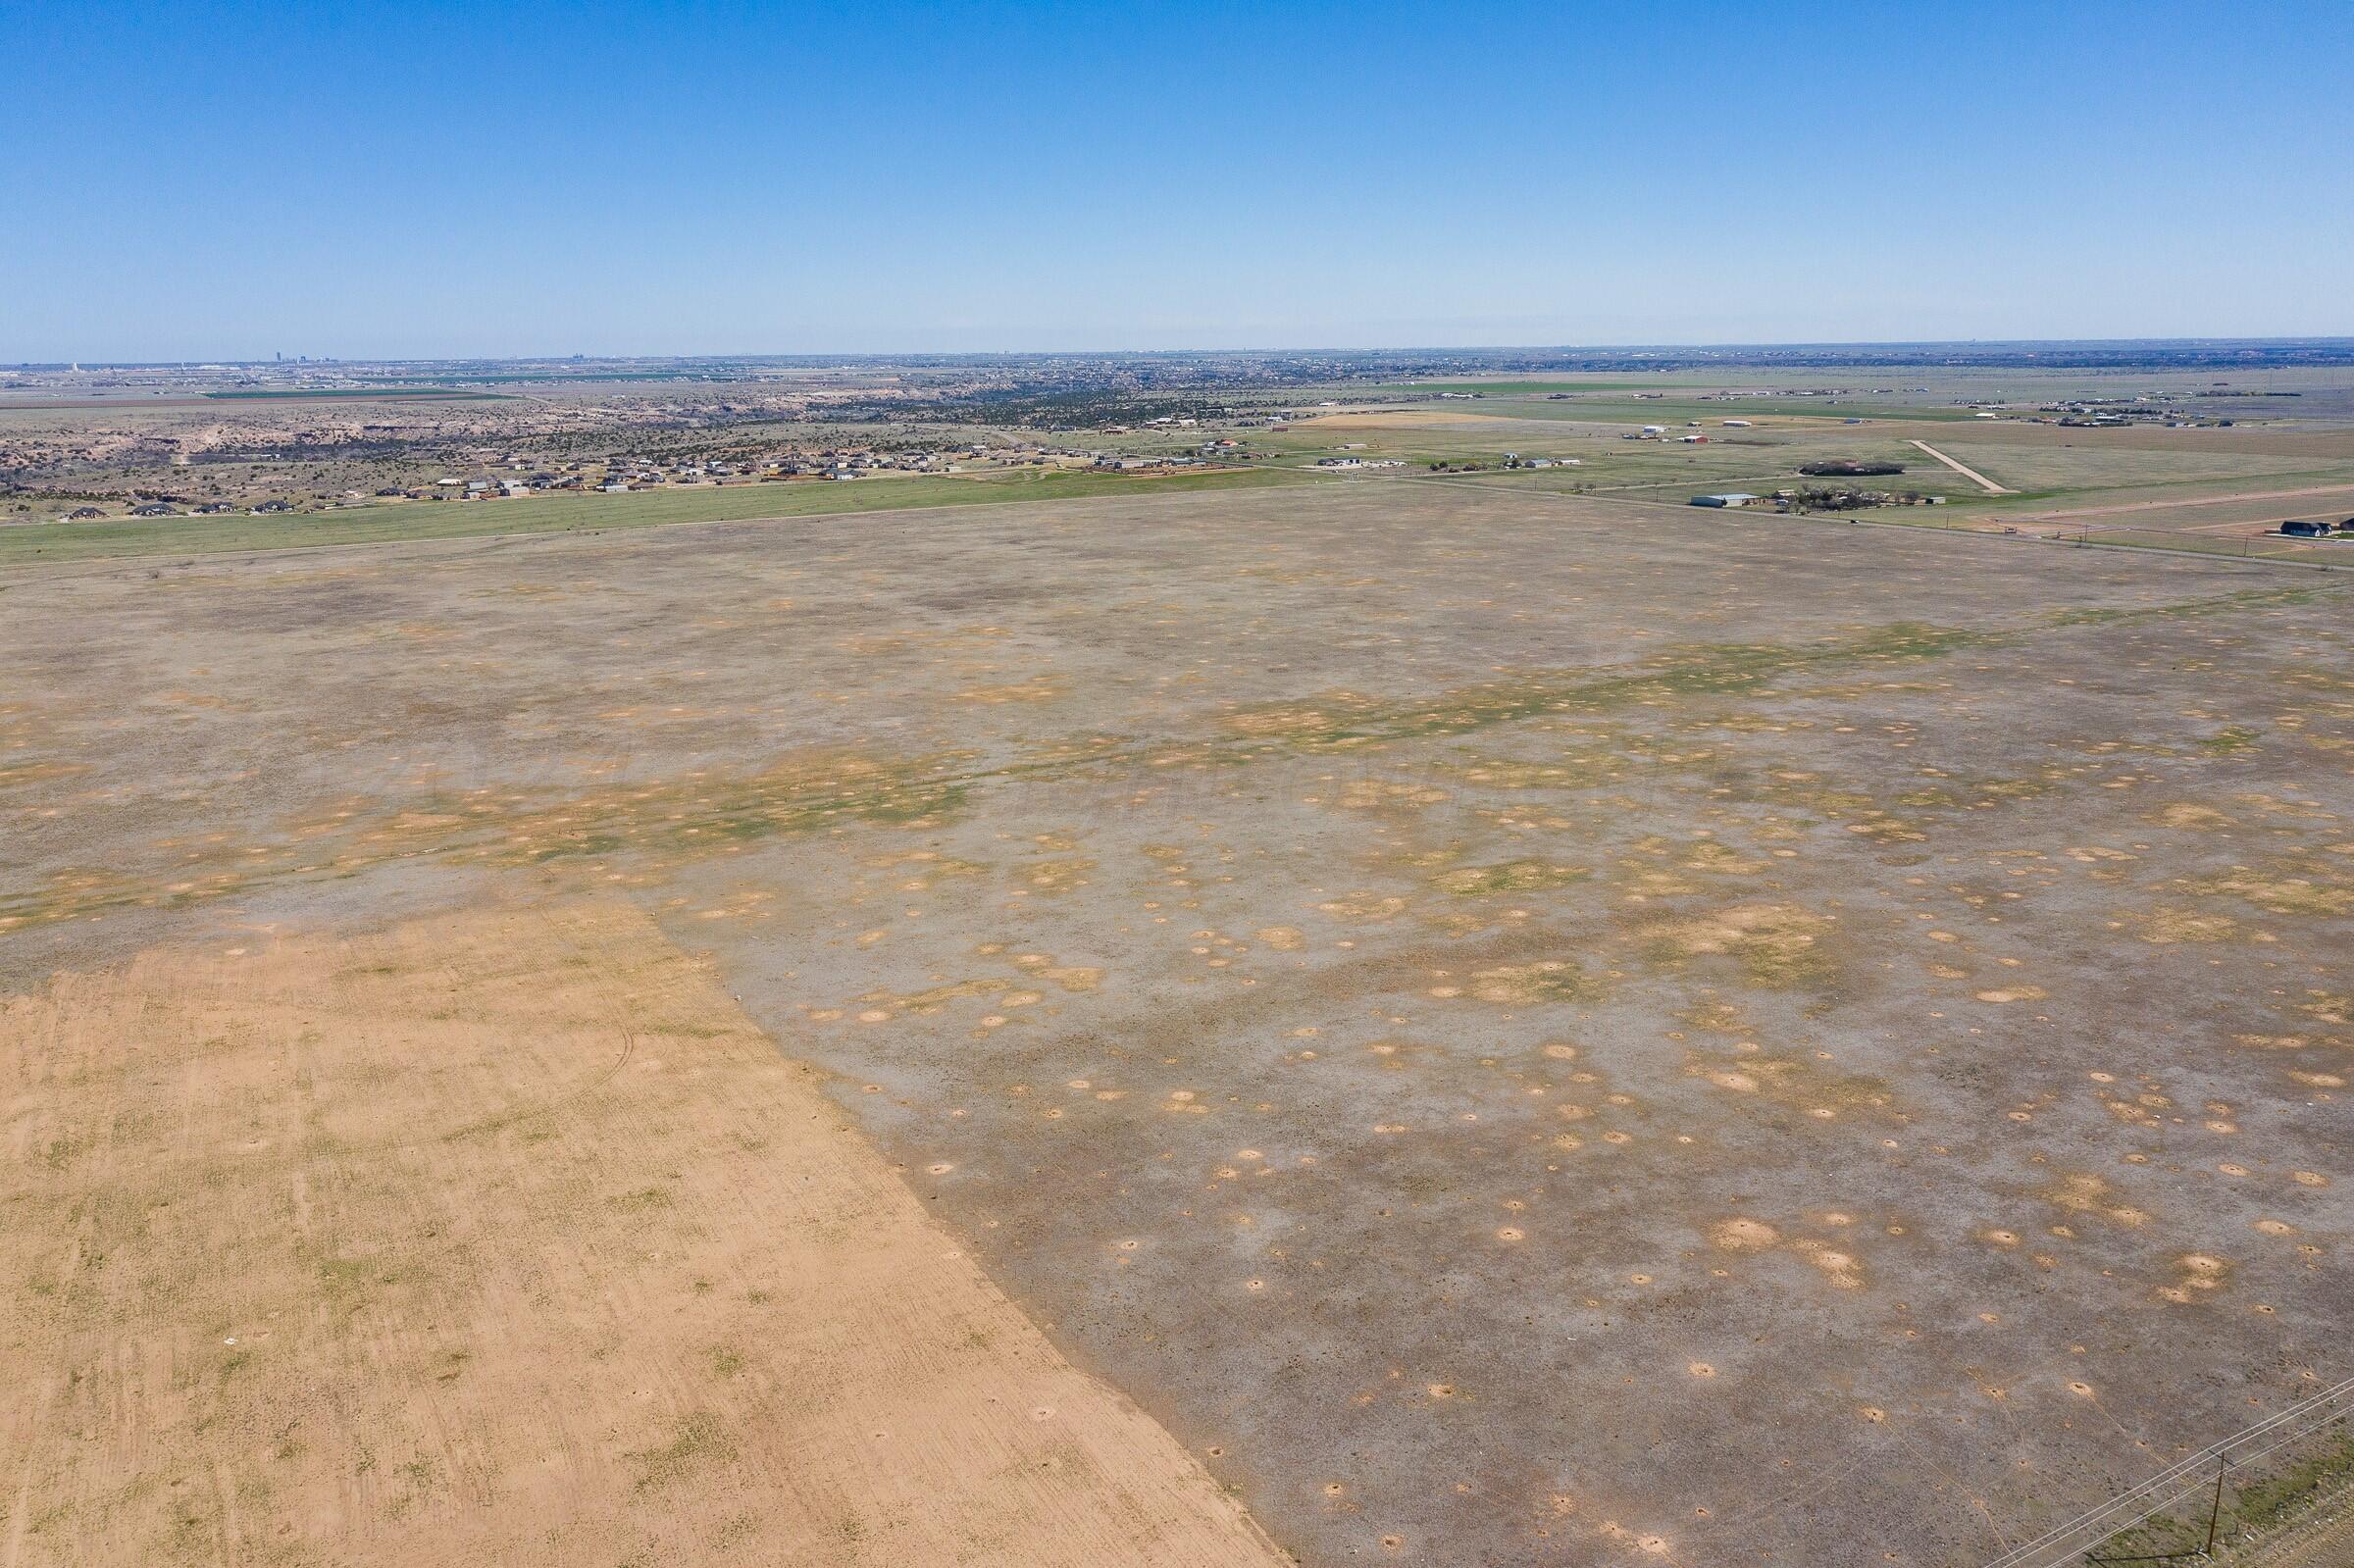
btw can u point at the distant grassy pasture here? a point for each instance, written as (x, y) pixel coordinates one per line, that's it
(1675, 410)
(2039, 469)
(1763, 457)
(361, 394)
(1509, 389)
(31, 544)
(2026, 466)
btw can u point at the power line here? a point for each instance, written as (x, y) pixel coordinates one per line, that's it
(2161, 1490)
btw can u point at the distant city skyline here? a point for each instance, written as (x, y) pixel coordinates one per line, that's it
(194, 182)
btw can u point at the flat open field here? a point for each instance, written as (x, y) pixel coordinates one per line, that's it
(394, 522)
(2231, 515)
(2213, 490)
(504, 1238)
(2034, 458)
(1514, 1032)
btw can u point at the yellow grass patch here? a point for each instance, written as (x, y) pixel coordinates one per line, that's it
(505, 1238)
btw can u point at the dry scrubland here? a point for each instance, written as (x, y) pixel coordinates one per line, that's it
(1511, 1032)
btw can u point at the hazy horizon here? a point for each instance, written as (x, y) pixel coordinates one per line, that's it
(1732, 351)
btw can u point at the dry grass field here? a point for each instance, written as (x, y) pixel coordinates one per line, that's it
(1509, 1027)
(500, 1237)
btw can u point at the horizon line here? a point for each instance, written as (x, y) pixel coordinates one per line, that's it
(228, 362)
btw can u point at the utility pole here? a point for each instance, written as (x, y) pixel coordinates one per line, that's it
(2216, 1511)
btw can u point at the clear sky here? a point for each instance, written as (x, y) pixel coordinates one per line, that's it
(425, 178)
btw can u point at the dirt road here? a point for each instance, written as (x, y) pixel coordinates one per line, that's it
(1968, 472)
(2179, 503)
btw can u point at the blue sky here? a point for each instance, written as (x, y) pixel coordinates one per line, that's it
(199, 181)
